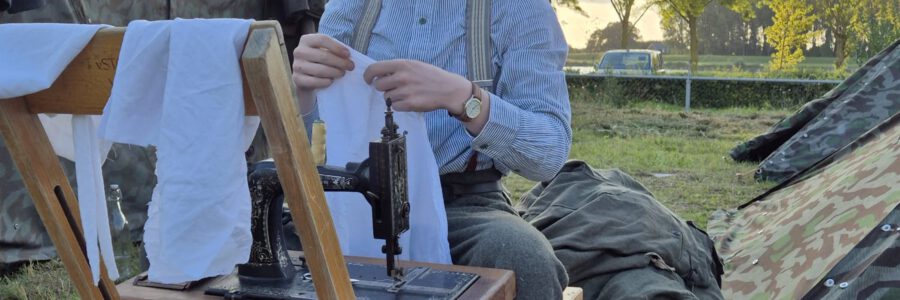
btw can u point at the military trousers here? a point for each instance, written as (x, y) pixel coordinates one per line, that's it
(617, 241)
(484, 230)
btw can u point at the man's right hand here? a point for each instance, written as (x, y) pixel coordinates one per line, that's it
(318, 61)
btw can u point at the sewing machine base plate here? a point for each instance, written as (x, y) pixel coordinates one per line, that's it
(370, 281)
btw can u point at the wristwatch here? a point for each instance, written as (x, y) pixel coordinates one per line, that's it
(472, 106)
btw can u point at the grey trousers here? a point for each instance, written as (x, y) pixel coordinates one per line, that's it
(485, 231)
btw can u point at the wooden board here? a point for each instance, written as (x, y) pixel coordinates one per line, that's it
(268, 75)
(52, 195)
(493, 284)
(573, 293)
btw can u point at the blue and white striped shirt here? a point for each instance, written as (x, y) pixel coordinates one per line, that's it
(528, 130)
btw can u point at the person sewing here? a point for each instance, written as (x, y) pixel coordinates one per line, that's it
(517, 121)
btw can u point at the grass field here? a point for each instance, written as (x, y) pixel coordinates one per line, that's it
(681, 158)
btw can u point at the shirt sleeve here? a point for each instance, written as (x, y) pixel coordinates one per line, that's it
(529, 127)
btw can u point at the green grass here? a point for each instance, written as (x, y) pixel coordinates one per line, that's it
(49, 280)
(43, 280)
(641, 139)
(648, 139)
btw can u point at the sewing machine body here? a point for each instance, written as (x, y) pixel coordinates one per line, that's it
(382, 180)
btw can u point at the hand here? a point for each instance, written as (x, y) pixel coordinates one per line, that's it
(318, 61)
(417, 86)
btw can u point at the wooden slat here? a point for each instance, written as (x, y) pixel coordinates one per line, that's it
(266, 70)
(84, 86)
(51, 193)
(573, 293)
(492, 284)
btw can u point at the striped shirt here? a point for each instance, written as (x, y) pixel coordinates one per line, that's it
(528, 130)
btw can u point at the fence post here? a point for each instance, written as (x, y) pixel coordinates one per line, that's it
(687, 93)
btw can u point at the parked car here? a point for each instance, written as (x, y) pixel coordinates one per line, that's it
(631, 62)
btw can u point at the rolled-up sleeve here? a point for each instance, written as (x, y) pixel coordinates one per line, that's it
(529, 127)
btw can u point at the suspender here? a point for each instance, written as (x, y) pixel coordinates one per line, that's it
(363, 30)
(478, 45)
(478, 38)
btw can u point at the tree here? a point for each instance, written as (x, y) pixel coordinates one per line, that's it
(790, 32)
(880, 28)
(623, 10)
(609, 37)
(843, 18)
(689, 11)
(573, 4)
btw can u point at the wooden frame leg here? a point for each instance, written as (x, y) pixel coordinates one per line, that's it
(267, 73)
(52, 195)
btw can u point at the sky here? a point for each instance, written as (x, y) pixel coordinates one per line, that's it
(578, 28)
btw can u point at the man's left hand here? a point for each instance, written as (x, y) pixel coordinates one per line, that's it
(417, 86)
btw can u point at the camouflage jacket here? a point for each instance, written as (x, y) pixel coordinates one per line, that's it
(22, 235)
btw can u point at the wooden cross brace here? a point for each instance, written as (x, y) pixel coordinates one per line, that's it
(84, 87)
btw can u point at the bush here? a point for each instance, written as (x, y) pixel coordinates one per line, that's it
(704, 94)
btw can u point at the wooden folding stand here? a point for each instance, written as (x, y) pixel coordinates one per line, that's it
(84, 87)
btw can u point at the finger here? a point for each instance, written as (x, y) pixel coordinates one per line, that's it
(317, 70)
(408, 105)
(390, 82)
(381, 69)
(326, 42)
(307, 82)
(324, 57)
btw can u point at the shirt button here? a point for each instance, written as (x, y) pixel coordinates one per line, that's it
(422, 21)
(483, 146)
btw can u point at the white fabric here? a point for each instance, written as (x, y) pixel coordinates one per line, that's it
(32, 56)
(354, 114)
(178, 86)
(90, 152)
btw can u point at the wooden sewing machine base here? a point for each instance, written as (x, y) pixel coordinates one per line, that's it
(491, 284)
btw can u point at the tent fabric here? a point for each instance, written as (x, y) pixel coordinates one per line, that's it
(870, 270)
(864, 100)
(836, 220)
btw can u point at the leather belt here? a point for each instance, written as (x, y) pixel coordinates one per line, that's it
(474, 182)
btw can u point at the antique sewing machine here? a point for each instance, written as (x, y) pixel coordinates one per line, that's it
(382, 180)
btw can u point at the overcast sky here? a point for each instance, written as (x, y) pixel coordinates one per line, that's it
(578, 28)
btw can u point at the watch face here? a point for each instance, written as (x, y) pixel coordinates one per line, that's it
(473, 108)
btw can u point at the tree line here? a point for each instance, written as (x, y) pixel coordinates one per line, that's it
(786, 30)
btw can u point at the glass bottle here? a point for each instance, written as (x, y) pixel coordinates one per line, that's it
(118, 226)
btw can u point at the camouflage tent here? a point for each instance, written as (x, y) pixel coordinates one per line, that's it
(865, 99)
(830, 232)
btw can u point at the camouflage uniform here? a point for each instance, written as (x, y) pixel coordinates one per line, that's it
(22, 235)
(831, 232)
(616, 241)
(824, 125)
